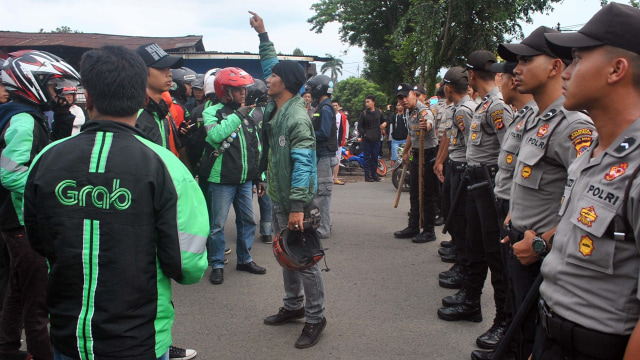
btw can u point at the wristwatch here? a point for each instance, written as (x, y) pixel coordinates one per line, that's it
(539, 245)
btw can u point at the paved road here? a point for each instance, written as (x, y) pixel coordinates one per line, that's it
(382, 294)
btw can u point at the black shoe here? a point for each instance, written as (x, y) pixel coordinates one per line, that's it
(310, 334)
(424, 237)
(469, 310)
(407, 232)
(376, 179)
(439, 221)
(453, 270)
(491, 338)
(446, 244)
(443, 251)
(177, 353)
(368, 179)
(454, 282)
(217, 276)
(455, 299)
(266, 239)
(251, 267)
(481, 355)
(449, 258)
(284, 316)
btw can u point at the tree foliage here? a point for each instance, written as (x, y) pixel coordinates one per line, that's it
(297, 52)
(62, 30)
(411, 40)
(334, 66)
(352, 92)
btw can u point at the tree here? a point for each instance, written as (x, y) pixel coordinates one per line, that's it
(334, 65)
(297, 52)
(62, 30)
(352, 92)
(411, 40)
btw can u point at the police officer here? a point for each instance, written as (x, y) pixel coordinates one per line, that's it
(550, 143)
(419, 118)
(449, 167)
(589, 297)
(486, 133)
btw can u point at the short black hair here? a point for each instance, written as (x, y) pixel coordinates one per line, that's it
(116, 80)
(306, 92)
(371, 97)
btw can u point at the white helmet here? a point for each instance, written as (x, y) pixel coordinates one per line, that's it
(209, 78)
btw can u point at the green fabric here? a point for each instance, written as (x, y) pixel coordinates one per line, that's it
(90, 253)
(217, 131)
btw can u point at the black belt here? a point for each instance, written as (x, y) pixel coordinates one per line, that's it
(576, 338)
(429, 151)
(457, 166)
(478, 172)
(514, 235)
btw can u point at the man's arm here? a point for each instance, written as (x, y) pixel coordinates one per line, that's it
(218, 130)
(443, 152)
(16, 156)
(326, 124)
(267, 50)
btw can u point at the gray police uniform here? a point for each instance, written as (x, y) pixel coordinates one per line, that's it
(591, 275)
(439, 111)
(413, 117)
(486, 132)
(457, 128)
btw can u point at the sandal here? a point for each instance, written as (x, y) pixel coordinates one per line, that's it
(338, 182)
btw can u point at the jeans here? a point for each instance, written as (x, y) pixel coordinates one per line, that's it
(25, 301)
(58, 356)
(394, 148)
(222, 196)
(299, 285)
(370, 163)
(323, 196)
(264, 202)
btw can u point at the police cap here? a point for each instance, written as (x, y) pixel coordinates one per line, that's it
(505, 67)
(403, 89)
(481, 60)
(456, 76)
(533, 45)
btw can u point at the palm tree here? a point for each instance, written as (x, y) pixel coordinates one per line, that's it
(335, 65)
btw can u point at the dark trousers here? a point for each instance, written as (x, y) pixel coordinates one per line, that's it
(454, 181)
(4, 271)
(25, 302)
(370, 163)
(429, 190)
(483, 236)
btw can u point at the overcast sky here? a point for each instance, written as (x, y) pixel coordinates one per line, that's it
(224, 24)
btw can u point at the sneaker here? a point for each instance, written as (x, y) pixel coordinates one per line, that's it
(227, 251)
(284, 316)
(310, 334)
(181, 354)
(266, 239)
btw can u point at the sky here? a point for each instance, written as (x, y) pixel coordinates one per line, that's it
(224, 25)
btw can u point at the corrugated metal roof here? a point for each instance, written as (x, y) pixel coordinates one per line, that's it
(93, 41)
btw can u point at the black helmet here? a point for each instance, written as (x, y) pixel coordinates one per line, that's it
(298, 250)
(256, 92)
(183, 75)
(319, 85)
(198, 83)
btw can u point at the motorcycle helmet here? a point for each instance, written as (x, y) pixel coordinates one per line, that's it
(209, 79)
(319, 85)
(298, 250)
(257, 92)
(198, 82)
(183, 75)
(230, 77)
(27, 74)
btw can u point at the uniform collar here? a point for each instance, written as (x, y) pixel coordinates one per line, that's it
(463, 100)
(110, 126)
(492, 93)
(531, 105)
(553, 109)
(626, 142)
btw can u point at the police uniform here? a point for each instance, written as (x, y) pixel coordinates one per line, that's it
(429, 149)
(486, 133)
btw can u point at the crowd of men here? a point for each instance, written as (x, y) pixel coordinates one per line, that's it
(536, 181)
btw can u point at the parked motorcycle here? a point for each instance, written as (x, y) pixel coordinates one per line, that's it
(396, 171)
(353, 158)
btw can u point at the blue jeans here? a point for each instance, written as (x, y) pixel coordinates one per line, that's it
(222, 196)
(299, 285)
(394, 148)
(58, 356)
(370, 163)
(264, 202)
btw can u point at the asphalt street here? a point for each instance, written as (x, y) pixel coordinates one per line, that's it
(381, 293)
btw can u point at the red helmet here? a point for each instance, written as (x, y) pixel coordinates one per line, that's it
(297, 250)
(66, 90)
(230, 77)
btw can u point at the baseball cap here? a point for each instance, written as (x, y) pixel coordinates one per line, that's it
(457, 75)
(481, 60)
(505, 67)
(615, 24)
(154, 56)
(403, 89)
(419, 89)
(533, 45)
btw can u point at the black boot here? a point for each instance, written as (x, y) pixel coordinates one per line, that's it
(491, 338)
(447, 251)
(368, 179)
(455, 269)
(408, 232)
(427, 235)
(446, 243)
(455, 299)
(454, 282)
(469, 310)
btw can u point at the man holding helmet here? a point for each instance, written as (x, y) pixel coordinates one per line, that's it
(232, 157)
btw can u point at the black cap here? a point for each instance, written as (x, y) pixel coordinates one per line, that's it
(420, 89)
(533, 45)
(615, 24)
(481, 60)
(457, 75)
(403, 89)
(505, 67)
(153, 56)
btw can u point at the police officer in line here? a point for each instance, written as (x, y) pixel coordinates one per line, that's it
(551, 141)
(486, 132)
(526, 109)
(449, 168)
(439, 111)
(590, 301)
(419, 118)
